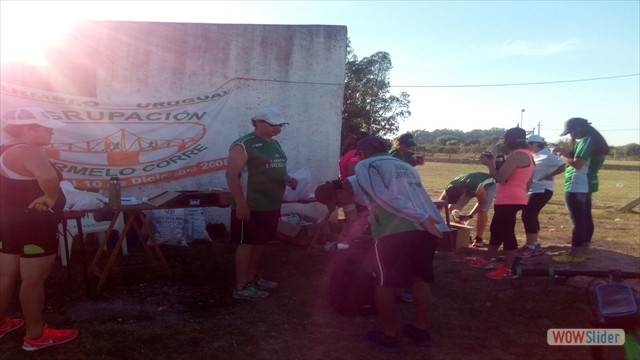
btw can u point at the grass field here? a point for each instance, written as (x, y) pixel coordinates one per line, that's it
(140, 315)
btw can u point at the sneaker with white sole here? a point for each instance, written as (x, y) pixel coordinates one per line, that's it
(264, 284)
(502, 273)
(527, 251)
(8, 325)
(250, 292)
(481, 263)
(49, 337)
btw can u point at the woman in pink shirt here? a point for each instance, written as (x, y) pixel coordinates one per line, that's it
(514, 180)
(349, 158)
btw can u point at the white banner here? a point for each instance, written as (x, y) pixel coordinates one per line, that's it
(141, 143)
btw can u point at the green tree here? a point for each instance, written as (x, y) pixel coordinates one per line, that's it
(368, 105)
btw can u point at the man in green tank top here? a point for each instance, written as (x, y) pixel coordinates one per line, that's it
(256, 176)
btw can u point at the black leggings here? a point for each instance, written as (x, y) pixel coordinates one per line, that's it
(530, 213)
(503, 226)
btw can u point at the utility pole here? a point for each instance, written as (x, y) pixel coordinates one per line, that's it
(538, 127)
(521, 116)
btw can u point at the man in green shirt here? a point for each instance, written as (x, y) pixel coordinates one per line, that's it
(256, 176)
(459, 192)
(401, 150)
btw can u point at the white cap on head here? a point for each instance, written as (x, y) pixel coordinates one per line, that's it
(270, 115)
(30, 116)
(535, 138)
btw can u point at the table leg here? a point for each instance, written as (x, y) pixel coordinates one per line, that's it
(131, 217)
(163, 261)
(114, 254)
(65, 233)
(321, 230)
(85, 272)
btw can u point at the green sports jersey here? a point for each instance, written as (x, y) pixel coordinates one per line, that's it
(471, 180)
(584, 179)
(407, 156)
(263, 176)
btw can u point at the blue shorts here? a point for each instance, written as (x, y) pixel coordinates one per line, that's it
(260, 229)
(402, 256)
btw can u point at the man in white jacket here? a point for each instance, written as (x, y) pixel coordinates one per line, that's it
(405, 225)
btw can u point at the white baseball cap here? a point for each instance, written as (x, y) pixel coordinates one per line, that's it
(535, 138)
(270, 115)
(31, 116)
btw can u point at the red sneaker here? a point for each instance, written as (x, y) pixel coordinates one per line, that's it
(501, 273)
(481, 263)
(9, 324)
(48, 338)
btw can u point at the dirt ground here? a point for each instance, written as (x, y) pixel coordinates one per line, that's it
(138, 296)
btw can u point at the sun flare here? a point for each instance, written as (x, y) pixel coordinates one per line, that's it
(25, 36)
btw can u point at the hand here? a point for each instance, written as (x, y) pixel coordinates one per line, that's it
(556, 150)
(243, 212)
(464, 218)
(42, 203)
(486, 160)
(429, 224)
(292, 183)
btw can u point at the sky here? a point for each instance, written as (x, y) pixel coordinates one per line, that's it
(465, 64)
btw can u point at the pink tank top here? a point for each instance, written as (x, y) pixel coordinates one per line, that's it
(515, 190)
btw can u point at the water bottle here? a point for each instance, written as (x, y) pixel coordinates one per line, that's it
(114, 193)
(499, 161)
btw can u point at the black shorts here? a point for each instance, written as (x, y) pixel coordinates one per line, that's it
(402, 256)
(260, 229)
(30, 234)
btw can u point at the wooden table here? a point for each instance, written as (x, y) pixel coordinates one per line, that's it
(132, 215)
(135, 218)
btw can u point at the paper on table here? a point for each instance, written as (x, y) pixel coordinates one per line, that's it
(131, 200)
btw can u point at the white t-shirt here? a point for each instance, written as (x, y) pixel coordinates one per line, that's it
(546, 163)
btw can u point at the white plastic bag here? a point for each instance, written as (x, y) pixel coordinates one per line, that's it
(168, 226)
(195, 225)
(304, 185)
(81, 200)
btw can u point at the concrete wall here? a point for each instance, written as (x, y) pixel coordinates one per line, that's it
(159, 61)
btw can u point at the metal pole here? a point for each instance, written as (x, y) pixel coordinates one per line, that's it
(521, 116)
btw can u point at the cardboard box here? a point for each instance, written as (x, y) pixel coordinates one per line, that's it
(458, 237)
(300, 234)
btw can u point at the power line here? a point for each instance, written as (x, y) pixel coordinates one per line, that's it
(434, 86)
(517, 84)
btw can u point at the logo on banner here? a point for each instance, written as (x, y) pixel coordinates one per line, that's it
(139, 143)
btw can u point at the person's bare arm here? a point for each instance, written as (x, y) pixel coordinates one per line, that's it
(558, 170)
(576, 163)
(237, 161)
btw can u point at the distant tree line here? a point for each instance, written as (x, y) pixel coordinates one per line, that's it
(476, 141)
(368, 105)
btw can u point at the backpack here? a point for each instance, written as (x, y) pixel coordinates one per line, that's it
(352, 282)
